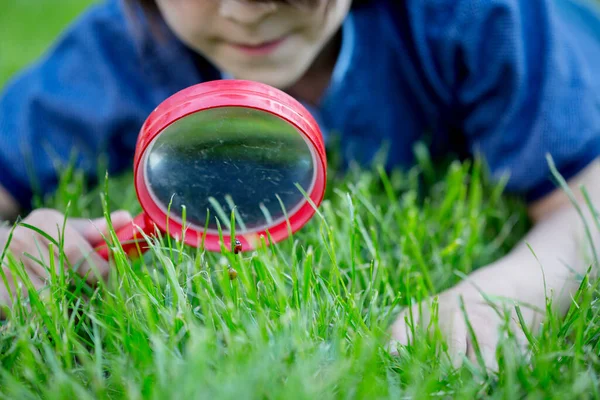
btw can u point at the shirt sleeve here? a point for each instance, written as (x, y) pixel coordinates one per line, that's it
(523, 79)
(80, 101)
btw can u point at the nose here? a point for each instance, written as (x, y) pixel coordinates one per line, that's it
(245, 11)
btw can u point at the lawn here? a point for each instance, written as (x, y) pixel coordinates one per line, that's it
(304, 319)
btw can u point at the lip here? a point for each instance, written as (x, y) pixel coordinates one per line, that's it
(259, 49)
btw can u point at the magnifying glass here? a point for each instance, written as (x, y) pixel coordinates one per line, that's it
(221, 147)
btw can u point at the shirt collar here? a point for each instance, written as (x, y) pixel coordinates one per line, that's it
(346, 53)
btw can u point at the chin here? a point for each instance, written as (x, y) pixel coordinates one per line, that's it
(277, 80)
(271, 76)
(279, 77)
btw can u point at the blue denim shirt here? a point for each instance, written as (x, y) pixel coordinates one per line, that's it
(513, 80)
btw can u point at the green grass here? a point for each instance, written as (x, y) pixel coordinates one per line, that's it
(28, 26)
(304, 319)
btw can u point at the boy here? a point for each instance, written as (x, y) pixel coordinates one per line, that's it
(517, 78)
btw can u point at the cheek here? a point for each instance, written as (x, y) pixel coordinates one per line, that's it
(190, 20)
(327, 18)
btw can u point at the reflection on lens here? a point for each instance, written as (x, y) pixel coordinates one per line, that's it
(229, 158)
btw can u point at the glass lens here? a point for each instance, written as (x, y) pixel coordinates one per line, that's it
(229, 158)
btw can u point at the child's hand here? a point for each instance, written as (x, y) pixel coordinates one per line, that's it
(543, 270)
(79, 237)
(483, 317)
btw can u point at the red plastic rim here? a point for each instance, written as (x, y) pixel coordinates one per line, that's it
(231, 93)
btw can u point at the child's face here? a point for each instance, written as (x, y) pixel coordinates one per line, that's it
(270, 42)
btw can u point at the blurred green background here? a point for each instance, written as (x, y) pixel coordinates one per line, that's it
(28, 28)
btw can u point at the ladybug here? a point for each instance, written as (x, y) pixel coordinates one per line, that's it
(238, 246)
(232, 274)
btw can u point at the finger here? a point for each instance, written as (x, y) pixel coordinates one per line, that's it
(95, 230)
(82, 257)
(407, 324)
(487, 337)
(32, 249)
(402, 329)
(16, 288)
(399, 333)
(455, 333)
(79, 254)
(488, 353)
(520, 342)
(76, 247)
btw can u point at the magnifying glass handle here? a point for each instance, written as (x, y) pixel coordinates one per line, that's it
(131, 238)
